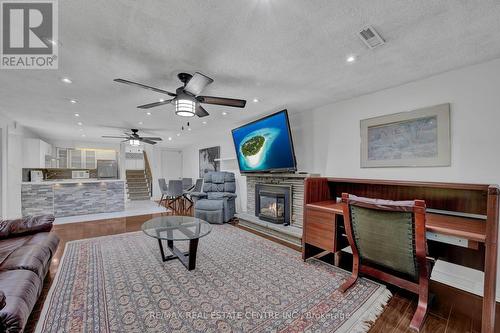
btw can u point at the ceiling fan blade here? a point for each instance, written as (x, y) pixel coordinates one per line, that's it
(200, 111)
(237, 103)
(114, 137)
(152, 138)
(197, 83)
(140, 85)
(147, 141)
(155, 104)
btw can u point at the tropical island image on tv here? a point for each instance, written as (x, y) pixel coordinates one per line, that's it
(264, 145)
(256, 145)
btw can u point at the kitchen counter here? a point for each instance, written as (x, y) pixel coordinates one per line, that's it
(75, 181)
(70, 197)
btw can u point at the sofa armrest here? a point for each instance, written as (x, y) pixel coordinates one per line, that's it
(26, 225)
(2, 300)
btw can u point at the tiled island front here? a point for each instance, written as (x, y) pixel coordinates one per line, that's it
(73, 197)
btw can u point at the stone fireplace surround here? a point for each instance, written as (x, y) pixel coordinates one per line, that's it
(292, 233)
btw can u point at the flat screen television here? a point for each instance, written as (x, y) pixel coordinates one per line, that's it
(265, 145)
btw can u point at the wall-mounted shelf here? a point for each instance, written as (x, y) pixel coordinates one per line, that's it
(225, 159)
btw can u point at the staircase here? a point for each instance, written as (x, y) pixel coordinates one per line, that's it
(137, 185)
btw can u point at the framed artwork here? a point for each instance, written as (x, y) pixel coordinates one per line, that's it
(208, 160)
(418, 138)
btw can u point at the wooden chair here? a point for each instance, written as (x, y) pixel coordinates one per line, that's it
(388, 242)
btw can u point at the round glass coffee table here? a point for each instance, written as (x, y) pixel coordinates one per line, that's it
(178, 228)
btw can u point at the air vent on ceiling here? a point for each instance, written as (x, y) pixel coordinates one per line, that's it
(370, 37)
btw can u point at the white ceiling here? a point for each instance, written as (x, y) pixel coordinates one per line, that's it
(286, 53)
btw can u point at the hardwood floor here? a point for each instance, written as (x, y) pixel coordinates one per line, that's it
(395, 318)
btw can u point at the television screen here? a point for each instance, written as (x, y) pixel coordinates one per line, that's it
(265, 144)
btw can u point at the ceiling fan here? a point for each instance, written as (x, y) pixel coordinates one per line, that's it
(187, 98)
(135, 139)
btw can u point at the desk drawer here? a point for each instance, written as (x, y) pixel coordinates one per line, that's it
(319, 229)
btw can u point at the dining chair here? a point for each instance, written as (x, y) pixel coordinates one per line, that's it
(187, 183)
(163, 189)
(388, 242)
(174, 193)
(194, 189)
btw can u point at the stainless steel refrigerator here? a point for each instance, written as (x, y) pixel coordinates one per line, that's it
(107, 169)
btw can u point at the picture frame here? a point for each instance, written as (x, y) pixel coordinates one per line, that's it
(419, 138)
(209, 160)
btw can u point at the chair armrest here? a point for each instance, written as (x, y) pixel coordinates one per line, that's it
(26, 225)
(198, 195)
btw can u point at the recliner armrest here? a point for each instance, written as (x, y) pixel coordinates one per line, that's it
(198, 195)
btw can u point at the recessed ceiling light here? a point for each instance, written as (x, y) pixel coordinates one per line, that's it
(77, 115)
(66, 80)
(83, 135)
(79, 123)
(256, 100)
(204, 122)
(351, 59)
(169, 138)
(162, 100)
(178, 134)
(224, 113)
(148, 113)
(140, 123)
(189, 128)
(73, 101)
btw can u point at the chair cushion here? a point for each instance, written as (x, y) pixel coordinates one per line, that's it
(209, 205)
(218, 177)
(21, 289)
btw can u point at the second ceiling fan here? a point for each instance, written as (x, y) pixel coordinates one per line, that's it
(187, 98)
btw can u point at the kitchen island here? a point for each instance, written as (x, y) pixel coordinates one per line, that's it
(70, 197)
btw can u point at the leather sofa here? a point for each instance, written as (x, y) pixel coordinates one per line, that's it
(26, 249)
(216, 204)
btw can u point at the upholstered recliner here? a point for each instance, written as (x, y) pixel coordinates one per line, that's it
(216, 204)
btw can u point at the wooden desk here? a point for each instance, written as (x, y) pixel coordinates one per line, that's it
(323, 219)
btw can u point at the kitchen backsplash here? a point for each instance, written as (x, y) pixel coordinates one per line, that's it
(56, 173)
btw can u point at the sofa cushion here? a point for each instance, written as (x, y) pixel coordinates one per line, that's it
(21, 289)
(209, 205)
(25, 226)
(7, 246)
(47, 240)
(29, 257)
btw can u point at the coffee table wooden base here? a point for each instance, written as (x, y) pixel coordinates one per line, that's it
(188, 259)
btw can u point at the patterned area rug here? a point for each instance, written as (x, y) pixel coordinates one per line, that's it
(242, 283)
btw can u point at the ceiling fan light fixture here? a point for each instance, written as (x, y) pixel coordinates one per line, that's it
(185, 107)
(134, 142)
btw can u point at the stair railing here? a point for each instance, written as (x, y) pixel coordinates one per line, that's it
(149, 173)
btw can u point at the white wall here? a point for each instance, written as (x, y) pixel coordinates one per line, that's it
(328, 139)
(12, 153)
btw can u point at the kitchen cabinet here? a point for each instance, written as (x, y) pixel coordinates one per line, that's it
(36, 153)
(83, 158)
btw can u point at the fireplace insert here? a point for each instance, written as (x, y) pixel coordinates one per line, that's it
(272, 203)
